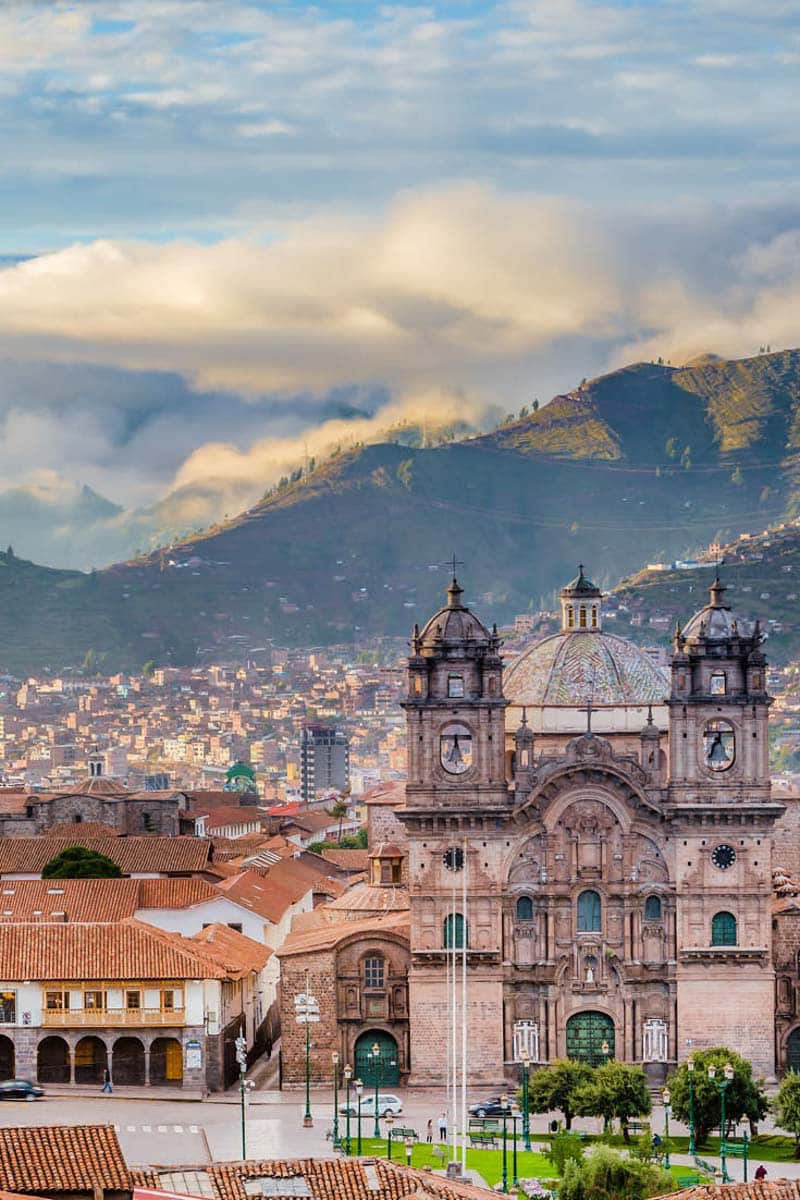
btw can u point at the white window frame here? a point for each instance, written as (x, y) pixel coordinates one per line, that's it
(655, 1040)
(526, 1041)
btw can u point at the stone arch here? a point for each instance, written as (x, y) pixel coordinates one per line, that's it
(579, 792)
(128, 1061)
(166, 1061)
(8, 1067)
(53, 1060)
(91, 1059)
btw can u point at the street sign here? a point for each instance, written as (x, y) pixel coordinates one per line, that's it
(309, 1018)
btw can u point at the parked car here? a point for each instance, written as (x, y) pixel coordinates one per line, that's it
(20, 1089)
(489, 1108)
(387, 1103)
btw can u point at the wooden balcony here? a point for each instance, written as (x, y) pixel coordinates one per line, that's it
(74, 1018)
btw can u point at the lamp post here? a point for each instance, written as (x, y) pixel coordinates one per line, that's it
(514, 1177)
(690, 1071)
(722, 1085)
(348, 1075)
(245, 1085)
(526, 1117)
(665, 1096)
(389, 1124)
(359, 1091)
(376, 1060)
(335, 1061)
(409, 1149)
(504, 1106)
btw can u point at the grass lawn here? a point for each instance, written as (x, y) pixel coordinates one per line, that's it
(767, 1147)
(489, 1163)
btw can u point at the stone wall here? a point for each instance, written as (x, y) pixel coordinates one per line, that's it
(726, 1004)
(430, 1022)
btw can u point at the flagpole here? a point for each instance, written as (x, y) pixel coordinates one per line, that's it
(464, 1015)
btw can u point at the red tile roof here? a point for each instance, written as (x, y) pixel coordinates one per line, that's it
(62, 1158)
(236, 953)
(128, 950)
(80, 899)
(132, 854)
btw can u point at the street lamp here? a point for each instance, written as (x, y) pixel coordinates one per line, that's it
(665, 1096)
(359, 1090)
(526, 1117)
(348, 1075)
(722, 1085)
(376, 1058)
(504, 1106)
(690, 1070)
(335, 1061)
(389, 1124)
(605, 1049)
(514, 1178)
(409, 1148)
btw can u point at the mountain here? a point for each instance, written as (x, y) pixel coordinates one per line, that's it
(639, 465)
(761, 573)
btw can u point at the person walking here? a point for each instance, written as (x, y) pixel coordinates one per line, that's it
(761, 1172)
(107, 1087)
(443, 1127)
(430, 1129)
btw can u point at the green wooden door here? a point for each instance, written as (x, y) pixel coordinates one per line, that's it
(586, 1033)
(793, 1051)
(384, 1067)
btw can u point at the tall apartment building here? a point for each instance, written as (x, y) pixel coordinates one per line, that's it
(324, 760)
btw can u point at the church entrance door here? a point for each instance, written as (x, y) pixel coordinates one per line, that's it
(793, 1051)
(383, 1068)
(586, 1033)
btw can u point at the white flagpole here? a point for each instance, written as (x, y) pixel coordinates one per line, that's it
(464, 1014)
(454, 1026)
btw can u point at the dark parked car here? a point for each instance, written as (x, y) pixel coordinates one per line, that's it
(20, 1089)
(489, 1108)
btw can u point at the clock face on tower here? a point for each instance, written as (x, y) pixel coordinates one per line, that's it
(455, 748)
(723, 857)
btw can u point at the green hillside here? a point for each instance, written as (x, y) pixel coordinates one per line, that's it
(643, 464)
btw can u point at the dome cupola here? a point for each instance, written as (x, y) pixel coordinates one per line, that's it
(580, 604)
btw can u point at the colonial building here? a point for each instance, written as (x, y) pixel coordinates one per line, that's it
(594, 837)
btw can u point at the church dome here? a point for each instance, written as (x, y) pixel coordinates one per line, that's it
(452, 624)
(573, 668)
(716, 622)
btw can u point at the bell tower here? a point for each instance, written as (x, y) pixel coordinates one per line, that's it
(457, 806)
(722, 816)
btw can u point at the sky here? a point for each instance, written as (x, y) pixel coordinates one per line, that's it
(223, 227)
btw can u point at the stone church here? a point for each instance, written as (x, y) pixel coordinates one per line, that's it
(596, 837)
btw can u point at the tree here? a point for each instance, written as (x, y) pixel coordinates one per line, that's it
(80, 862)
(615, 1091)
(744, 1096)
(606, 1175)
(338, 811)
(786, 1107)
(553, 1088)
(564, 1147)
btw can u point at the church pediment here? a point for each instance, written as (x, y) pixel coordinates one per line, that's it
(588, 762)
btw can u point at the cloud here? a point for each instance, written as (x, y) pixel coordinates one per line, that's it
(444, 281)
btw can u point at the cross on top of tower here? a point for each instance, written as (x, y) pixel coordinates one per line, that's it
(453, 563)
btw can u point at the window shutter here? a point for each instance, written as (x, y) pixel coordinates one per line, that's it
(152, 998)
(75, 998)
(114, 998)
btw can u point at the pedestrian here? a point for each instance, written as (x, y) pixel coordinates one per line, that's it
(107, 1081)
(430, 1129)
(761, 1172)
(443, 1127)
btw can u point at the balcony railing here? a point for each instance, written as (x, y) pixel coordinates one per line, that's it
(66, 1018)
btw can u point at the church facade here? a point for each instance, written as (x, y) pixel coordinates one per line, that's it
(590, 842)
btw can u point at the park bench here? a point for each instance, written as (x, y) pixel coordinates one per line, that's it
(684, 1181)
(438, 1153)
(485, 1124)
(483, 1138)
(400, 1133)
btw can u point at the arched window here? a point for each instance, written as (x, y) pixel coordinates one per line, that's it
(594, 618)
(582, 612)
(524, 909)
(455, 932)
(374, 971)
(571, 617)
(723, 929)
(652, 909)
(589, 912)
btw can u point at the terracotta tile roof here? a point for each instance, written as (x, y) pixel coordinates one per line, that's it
(62, 1158)
(174, 893)
(132, 854)
(13, 803)
(385, 793)
(349, 860)
(237, 953)
(326, 1179)
(232, 815)
(88, 829)
(270, 895)
(767, 1189)
(325, 928)
(128, 950)
(365, 898)
(99, 900)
